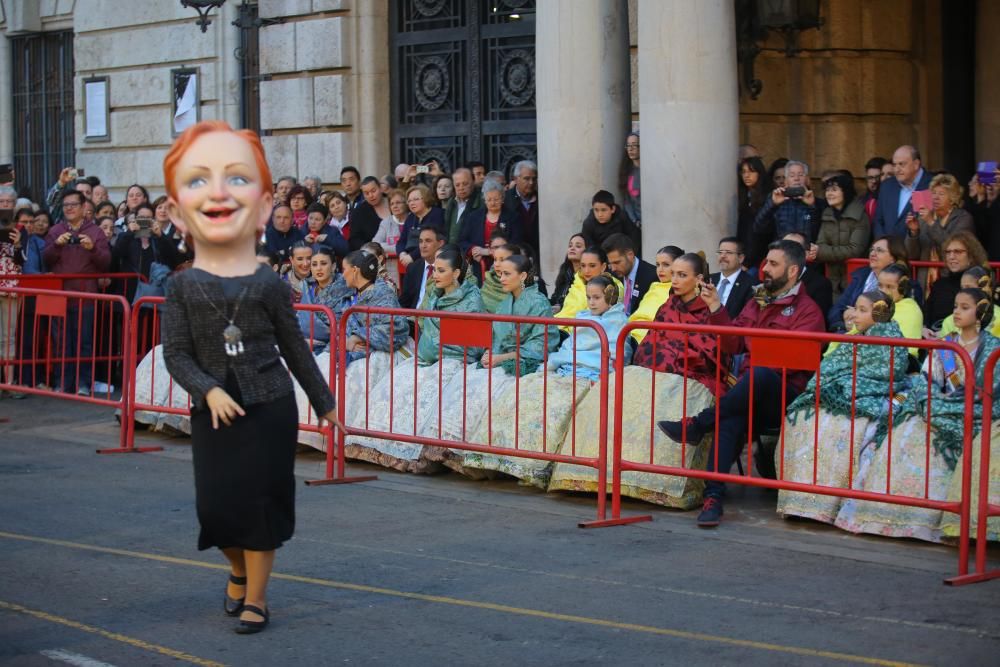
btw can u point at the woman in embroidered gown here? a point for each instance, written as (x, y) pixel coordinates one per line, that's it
(433, 366)
(910, 449)
(863, 393)
(517, 349)
(545, 411)
(325, 288)
(657, 374)
(492, 290)
(372, 342)
(227, 324)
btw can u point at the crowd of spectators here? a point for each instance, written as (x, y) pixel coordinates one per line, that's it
(468, 239)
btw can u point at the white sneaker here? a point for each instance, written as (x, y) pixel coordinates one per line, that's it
(103, 388)
(83, 391)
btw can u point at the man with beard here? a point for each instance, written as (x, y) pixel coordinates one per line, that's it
(779, 303)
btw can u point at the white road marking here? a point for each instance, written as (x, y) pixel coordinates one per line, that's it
(71, 658)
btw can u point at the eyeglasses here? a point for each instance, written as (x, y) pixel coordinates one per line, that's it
(631, 145)
(956, 251)
(873, 178)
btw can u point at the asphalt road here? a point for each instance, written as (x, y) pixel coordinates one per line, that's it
(98, 563)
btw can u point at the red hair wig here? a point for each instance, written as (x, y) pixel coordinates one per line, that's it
(190, 135)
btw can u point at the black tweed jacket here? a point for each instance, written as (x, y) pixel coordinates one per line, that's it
(194, 348)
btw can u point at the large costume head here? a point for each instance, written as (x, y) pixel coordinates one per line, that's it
(219, 186)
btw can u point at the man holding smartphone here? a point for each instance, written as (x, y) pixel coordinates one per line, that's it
(793, 208)
(76, 245)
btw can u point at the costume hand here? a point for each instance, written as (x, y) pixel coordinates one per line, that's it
(223, 407)
(334, 420)
(778, 196)
(809, 197)
(86, 242)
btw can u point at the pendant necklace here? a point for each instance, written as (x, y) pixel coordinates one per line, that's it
(231, 335)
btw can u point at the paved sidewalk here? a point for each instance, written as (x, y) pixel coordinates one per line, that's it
(99, 562)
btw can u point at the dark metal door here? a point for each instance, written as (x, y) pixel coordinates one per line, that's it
(42, 78)
(463, 81)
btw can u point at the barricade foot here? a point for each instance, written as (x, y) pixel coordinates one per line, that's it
(972, 578)
(620, 521)
(342, 480)
(129, 450)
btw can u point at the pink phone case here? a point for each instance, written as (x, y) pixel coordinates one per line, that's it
(921, 199)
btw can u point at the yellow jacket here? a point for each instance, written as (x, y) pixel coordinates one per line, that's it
(650, 304)
(908, 316)
(576, 299)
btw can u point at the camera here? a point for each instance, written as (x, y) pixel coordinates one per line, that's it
(73, 240)
(795, 192)
(144, 227)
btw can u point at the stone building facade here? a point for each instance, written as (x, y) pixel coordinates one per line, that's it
(368, 82)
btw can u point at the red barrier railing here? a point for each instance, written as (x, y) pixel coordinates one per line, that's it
(474, 330)
(148, 328)
(796, 351)
(65, 362)
(985, 508)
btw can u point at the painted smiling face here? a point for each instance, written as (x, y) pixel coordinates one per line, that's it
(220, 197)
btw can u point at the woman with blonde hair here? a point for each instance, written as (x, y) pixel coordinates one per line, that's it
(928, 228)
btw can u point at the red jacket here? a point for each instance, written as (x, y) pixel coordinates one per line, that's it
(74, 258)
(665, 351)
(792, 312)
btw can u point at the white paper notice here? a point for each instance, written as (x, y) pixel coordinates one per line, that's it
(96, 93)
(186, 114)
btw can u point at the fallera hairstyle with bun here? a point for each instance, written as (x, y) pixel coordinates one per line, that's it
(607, 284)
(883, 307)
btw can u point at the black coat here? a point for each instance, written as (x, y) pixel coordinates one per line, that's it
(528, 217)
(819, 288)
(364, 225)
(410, 294)
(739, 292)
(596, 233)
(474, 224)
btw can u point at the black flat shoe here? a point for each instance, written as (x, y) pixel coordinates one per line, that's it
(253, 627)
(232, 606)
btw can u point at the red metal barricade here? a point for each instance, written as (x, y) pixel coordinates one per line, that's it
(790, 351)
(856, 263)
(177, 402)
(474, 330)
(53, 345)
(985, 508)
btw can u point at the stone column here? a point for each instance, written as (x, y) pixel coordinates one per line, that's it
(6, 103)
(689, 118)
(582, 94)
(371, 73)
(228, 72)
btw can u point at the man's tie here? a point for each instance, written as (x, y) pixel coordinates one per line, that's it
(723, 290)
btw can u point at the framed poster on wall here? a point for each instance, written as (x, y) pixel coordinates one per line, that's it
(96, 110)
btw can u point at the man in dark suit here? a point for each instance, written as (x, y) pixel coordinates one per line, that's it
(364, 218)
(894, 193)
(738, 287)
(522, 201)
(817, 285)
(467, 199)
(418, 274)
(636, 275)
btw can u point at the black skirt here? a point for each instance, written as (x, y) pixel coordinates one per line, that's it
(244, 476)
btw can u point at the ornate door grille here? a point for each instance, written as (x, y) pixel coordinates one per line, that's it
(42, 77)
(463, 81)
